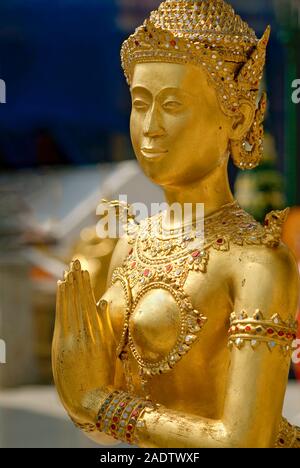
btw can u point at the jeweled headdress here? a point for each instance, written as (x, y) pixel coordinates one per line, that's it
(207, 33)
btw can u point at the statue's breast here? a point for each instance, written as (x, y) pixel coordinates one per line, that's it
(155, 324)
(160, 323)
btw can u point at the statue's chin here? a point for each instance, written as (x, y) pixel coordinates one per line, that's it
(157, 175)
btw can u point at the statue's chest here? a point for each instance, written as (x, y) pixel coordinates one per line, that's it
(161, 322)
(157, 312)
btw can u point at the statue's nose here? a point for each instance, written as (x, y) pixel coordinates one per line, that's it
(153, 126)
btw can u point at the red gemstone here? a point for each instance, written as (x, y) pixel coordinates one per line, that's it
(115, 419)
(289, 336)
(147, 272)
(128, 435)
(133, 265)
(135, 413)
(169, 268)
(137, 43)
(122, 404)
(173, 43)
(98, 425)
(270, 331)
(294, 336)
(113, 427)
(220, 241)
(199, 321)
(281, 441)
(248, 328)
(129, 427)
(196, 253)
(281, 333)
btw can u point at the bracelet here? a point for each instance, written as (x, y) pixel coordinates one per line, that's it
(121, 414)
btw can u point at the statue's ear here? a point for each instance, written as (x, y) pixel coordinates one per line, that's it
(242, 122)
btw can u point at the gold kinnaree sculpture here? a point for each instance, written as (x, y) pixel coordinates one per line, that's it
(189, 346)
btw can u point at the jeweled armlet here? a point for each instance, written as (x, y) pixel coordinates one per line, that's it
(257, 329)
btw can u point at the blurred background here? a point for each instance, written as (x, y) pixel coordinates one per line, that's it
(64, 145)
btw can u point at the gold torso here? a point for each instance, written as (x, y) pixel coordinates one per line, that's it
(170, 307)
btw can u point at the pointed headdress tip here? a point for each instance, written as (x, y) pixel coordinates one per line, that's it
(265, 37)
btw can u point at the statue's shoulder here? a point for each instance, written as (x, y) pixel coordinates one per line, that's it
(241, 229)
(261, 251)
(273, 226)
(263, 270)
(250, 242)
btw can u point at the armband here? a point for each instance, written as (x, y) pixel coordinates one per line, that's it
(256, 329)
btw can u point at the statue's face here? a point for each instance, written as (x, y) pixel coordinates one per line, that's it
(178, 130)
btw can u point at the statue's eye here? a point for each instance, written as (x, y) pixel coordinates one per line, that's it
(172, 105)
(139, 104)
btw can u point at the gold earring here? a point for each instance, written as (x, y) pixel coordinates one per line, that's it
(243, 157)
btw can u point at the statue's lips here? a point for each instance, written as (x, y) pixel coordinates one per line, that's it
(153, 153)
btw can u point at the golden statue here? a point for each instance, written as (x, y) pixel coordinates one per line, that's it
(191, 344)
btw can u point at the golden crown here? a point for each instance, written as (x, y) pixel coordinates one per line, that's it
(206, 33)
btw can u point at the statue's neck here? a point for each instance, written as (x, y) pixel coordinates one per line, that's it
(213, 190)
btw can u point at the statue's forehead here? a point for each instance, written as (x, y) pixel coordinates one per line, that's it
(162, 74)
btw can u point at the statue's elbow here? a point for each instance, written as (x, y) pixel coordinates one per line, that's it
(247, 439)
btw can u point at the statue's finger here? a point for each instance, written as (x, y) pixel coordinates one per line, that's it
(76, 266)
(85, 307)
(106, 325)
(91, 306)
(81, 298)
(69, 319)
(70, 277)
(72, 321)
(78, 293)
(66, 273)
(59, 300)
(73, 306)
